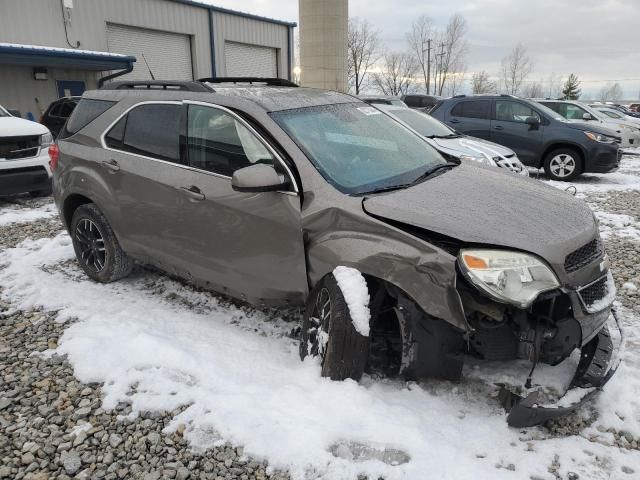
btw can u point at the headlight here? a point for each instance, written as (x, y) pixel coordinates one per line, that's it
(46, 140)
(598, 137)
(479, 159)
(508, 277)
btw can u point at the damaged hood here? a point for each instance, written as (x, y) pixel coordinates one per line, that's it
(487, 207)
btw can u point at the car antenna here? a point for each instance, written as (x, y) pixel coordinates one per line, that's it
(148, 67)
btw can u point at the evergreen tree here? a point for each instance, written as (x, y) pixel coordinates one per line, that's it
(571, 90)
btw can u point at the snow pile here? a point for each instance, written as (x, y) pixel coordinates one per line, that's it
(619, 225)
(250, 388)
(355, 292)
(13, 214)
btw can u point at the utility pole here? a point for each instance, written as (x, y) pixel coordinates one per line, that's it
(439, 85)
(428, 50)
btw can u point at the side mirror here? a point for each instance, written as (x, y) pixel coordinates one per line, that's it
(587, 116)
(258, 178)
(533, 122)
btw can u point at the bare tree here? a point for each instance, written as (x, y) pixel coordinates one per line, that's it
(451, 48)
(481, 83)
(421, 42)
(533, 89)
(455, 81)
(554, 86)
(516, 67)
(363, 46)
(610, 92)
(397, 73)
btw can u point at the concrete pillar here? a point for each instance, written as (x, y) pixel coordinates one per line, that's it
(323, 43)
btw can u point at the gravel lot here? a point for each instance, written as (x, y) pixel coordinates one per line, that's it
(54, 426)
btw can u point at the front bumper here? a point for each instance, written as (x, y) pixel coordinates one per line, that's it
(596, 367)
(603, 158)
(25, 174)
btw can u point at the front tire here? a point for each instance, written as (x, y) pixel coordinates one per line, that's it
(563, 164)
(328, 332)
(96, 246)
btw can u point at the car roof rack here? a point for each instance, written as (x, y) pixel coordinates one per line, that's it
(188, 86)
(271, 82)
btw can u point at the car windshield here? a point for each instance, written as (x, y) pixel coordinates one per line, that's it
(357, 148)
(424, 124)
(3, 112)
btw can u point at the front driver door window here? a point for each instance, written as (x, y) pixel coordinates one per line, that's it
(247, 244)
(509, 129)
(219, 143)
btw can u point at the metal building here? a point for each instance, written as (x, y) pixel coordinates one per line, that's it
(55, 48)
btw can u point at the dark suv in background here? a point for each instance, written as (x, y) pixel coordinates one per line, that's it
(56, 115)
(539, 136)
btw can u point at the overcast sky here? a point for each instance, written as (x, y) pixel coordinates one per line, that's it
(596, 39)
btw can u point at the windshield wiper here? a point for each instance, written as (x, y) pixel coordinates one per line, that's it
(429, 173)
(451, 135)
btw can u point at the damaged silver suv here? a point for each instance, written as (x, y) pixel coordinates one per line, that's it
(260, 190)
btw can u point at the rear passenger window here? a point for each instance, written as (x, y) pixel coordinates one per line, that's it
(412, 101)
(55, 111)
(86, 111)
(67, 109)
(218, 143)
(150, 130)
(510, 111)
(472, 109)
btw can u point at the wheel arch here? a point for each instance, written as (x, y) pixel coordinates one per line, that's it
(71, 204)
(568, 145)
(419, 271)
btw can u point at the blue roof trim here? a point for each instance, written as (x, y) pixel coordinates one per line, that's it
(228, 11)
(52, 56)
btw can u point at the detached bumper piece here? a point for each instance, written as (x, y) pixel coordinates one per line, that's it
(594, 371)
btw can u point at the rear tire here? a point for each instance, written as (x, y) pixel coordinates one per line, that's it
(97, 249)
(328, 332)
(563, 164)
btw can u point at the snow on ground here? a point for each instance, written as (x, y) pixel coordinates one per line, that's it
(21, 214)
(626, 178)
(159, 344)
(251, 389)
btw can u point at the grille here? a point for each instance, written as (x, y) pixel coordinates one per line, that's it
(12, 148)
(594, 292)
(584, 255)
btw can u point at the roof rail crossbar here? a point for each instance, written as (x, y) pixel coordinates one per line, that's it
(272, 82)
(188, 86)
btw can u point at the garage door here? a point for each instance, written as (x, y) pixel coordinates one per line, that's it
(243, 60)
(168, 54)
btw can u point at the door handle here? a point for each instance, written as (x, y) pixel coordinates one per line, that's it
(111, 165)
(498, 127)
(193, 192)
(454, 120)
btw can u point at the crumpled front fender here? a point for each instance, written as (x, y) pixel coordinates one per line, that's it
(425, 273)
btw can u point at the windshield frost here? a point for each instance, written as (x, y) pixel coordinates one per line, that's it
(356, 147)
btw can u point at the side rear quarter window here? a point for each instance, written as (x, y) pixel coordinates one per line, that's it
(85, 112)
